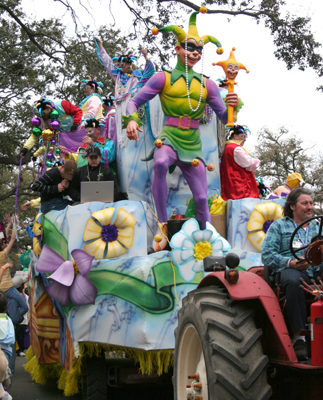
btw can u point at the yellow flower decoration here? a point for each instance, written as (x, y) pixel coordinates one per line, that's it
(107, 239)
(260, 220)
(38, 231)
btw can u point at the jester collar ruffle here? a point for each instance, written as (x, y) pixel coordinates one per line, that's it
(179, 71)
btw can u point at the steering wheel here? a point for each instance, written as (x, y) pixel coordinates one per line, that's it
(313, 251)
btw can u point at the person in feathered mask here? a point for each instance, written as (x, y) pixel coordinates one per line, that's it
(110, 110)
(93, 138)
(91, 105)
(237, 178)
(67, 115)
(128, 81)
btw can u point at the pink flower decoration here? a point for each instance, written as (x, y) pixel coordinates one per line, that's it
(65, 282)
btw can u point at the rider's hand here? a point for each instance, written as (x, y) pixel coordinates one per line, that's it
(98, 40)
(65, 183)
(25, 206)
(24, 151)
(300, 265)
(88, 140)
(132, 128)
(232, 99)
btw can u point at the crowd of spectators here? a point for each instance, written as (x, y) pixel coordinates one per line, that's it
(13, 309)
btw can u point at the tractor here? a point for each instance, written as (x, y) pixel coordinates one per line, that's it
(232, 341)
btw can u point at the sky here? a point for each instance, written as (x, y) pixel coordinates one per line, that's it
(273, 96)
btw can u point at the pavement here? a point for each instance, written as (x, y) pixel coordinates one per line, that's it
(24, 388)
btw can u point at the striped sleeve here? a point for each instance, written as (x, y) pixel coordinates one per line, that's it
(45, 185)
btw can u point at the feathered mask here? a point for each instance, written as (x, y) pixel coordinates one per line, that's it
(93, 83)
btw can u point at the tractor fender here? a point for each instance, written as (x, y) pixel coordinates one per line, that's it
(252, 287)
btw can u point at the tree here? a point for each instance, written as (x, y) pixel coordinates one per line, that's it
(281, 153)
(295, 43)
(37, 58)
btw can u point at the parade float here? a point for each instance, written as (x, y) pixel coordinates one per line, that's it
(97, 291)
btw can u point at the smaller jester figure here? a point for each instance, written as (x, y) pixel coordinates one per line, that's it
(231, 68)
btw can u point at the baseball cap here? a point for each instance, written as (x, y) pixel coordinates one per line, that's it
(295, 175)
(69, 169)
(93, 151)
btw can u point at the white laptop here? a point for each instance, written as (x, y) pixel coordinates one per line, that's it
(97, 191)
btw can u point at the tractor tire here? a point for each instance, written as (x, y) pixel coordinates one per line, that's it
(96, 378)
(217, 341)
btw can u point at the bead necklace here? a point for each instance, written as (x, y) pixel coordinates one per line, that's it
(99, 174)
(187, 84)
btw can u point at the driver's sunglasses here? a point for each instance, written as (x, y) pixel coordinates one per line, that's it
(94, 157)
(192, 47)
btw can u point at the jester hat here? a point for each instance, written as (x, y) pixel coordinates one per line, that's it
(231, 60)
(108, 100)
(92, 123)
(192, 32)
(42, 104)
(92, 82)
(237, 129)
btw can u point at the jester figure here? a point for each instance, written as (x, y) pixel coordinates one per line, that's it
(183, 95)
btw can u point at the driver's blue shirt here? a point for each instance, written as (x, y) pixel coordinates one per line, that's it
(275, 249)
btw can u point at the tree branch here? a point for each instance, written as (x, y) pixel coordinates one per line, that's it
(29, 33)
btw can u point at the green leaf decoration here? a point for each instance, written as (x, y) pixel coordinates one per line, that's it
(156, 299)
(54, 239)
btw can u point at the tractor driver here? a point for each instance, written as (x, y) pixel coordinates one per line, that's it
(277, 256)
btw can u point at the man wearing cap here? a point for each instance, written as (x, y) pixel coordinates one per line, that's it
(293, 181)
(237, 165)
(93, 171)
(54, 186)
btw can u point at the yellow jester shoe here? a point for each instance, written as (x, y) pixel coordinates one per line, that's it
(160, 241)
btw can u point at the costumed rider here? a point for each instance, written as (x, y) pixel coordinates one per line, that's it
(110, 110)
(127, 81)
(183, 94)
(237, 165)
(277, 255)
(91, 105)
(58, 115)
(93, 138)
(293, 181)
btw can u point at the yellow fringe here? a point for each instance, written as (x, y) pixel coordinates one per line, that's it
(29, 353)
(70, 381)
